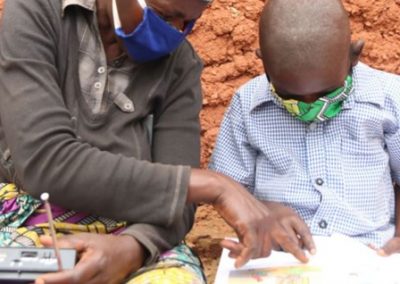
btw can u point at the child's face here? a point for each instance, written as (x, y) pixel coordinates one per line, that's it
(309, 85)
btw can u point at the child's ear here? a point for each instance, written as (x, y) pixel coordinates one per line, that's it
(356, 50)
(258, 53)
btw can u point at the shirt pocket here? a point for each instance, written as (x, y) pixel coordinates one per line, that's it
(362, 146)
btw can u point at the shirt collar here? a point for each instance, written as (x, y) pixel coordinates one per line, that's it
(87, 4)
(366, 89)
(262, 93)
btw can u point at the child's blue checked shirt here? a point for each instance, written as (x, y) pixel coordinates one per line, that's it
(337, 175)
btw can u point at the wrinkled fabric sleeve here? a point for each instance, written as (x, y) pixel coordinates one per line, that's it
(233, 154)
(157, 239)
(176, 140)
(46, 152)
(392, 134)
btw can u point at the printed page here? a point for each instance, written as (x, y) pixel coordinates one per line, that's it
(339, 259)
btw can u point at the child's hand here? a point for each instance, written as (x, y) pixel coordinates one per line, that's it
(256, 226)
(295, 227)
(391, 247)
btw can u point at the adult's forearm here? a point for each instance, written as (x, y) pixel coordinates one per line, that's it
(157, 239)
(205, 186)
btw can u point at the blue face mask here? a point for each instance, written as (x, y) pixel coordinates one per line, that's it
(153, 38)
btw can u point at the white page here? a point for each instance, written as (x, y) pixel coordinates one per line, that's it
(339, 259)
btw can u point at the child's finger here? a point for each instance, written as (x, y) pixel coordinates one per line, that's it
(392, 246)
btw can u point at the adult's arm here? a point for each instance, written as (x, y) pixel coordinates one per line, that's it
(45, 150)
(176, 141)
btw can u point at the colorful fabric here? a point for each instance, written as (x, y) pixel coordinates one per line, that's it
(176, 266)
(23, 219)
(337, 175)
(326, 107)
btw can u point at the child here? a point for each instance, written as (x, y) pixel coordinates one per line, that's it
(317, 137)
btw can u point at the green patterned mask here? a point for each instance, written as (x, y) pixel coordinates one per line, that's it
(324, 108)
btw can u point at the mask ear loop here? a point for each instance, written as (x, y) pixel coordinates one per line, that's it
(117, 21)
(142, 3)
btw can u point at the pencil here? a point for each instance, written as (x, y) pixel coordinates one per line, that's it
(45, 198)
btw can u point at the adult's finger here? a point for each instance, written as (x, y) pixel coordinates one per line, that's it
(304, 233)
(86, 269)
(251, 245)
(290, 230)
(64, 242)
(63, 277)
(267, 246)
(234, 247)
(289, 245)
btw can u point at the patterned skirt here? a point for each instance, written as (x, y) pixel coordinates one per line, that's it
(23, 220)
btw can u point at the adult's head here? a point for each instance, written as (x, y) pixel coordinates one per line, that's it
(151, 29)
(178, 12)
(306, 47)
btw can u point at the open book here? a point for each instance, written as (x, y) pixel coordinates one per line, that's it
(339, 259)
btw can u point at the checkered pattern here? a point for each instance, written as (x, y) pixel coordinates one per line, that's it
(337, 175)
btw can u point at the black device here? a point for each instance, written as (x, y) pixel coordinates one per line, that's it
(25, 264)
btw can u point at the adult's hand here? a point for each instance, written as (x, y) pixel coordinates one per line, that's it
(256, 227)
(393, 245)
(102, 259)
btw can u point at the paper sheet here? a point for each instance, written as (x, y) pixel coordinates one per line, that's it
(339, 259)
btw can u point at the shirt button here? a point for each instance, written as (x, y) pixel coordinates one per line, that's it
(323, 224)
(7, 154)
(101, 70)
(97, 85)
(312, 126)
(117, 63)
(128, 106)
(319, 181)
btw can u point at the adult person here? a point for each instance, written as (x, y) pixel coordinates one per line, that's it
(316, 137)
(102, 113)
